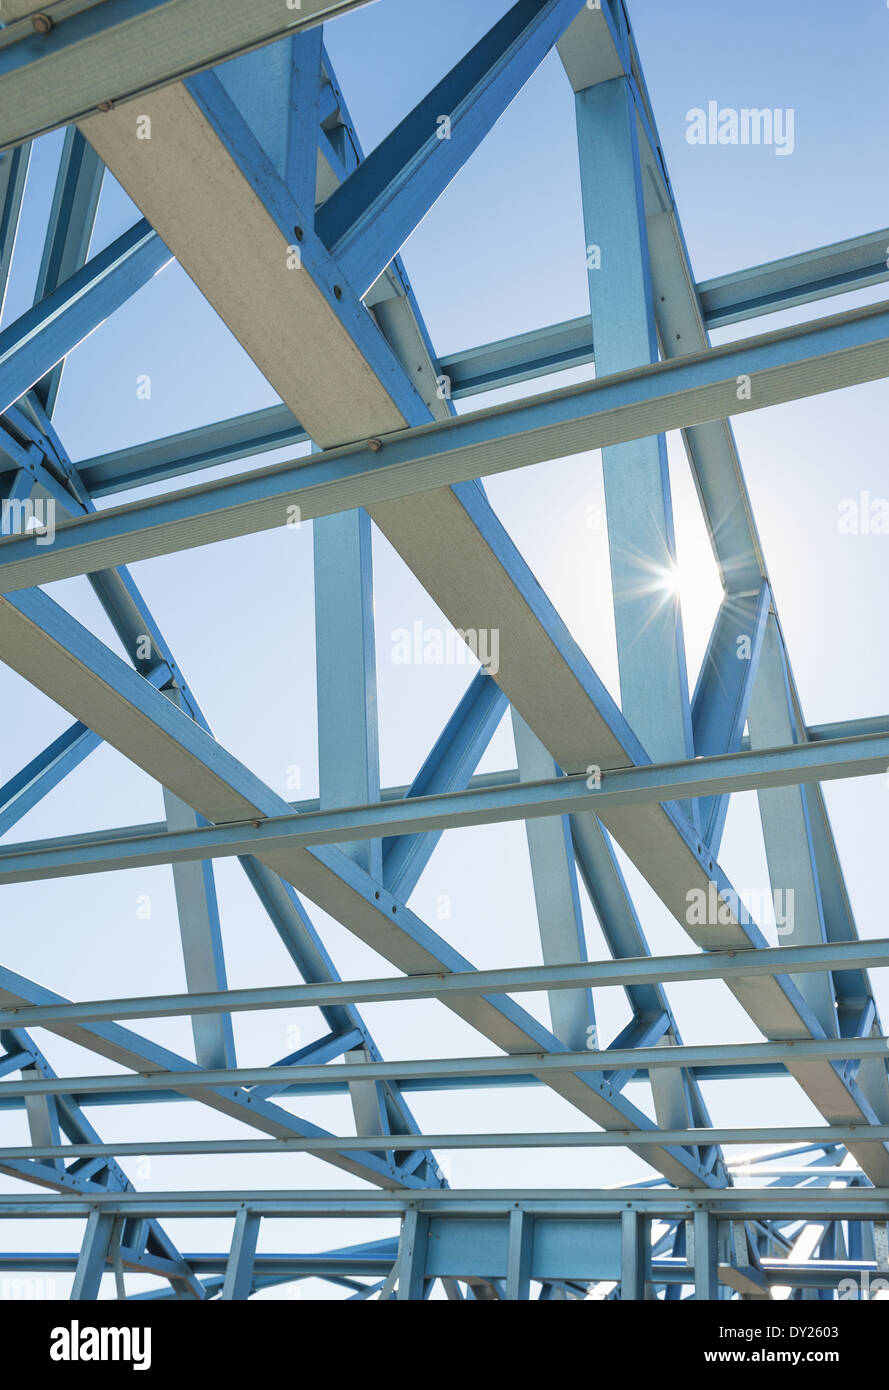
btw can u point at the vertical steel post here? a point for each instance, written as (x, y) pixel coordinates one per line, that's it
(558, 901)
(704, 1254)
(239, 1268)
(637, 484)
(633, 1254)
(786, 829)
(201, 935)
(519, 1252)
(348, 755)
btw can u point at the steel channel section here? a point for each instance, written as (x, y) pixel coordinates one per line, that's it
(399, 817)
(119, 49)
(788, 364)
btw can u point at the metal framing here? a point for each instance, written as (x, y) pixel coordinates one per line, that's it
(266, 141)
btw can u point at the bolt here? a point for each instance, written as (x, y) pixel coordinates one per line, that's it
(105, 105)
(375, 445)
(337, 291)
(42, 23)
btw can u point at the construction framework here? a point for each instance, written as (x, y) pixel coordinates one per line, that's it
(246, 118)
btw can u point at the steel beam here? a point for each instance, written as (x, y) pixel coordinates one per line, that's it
(792, 1203)
(723, 690)
(328, 361)
(32, 345)
(239, 1269)
(634, 1255)
(797, 764)
(840, 268)
(369, 218)
(348, 738)
(13, 175)
(448, 767)
(71, 221)
(117, 50)
(646, 970)
(559, 918)
(786, 365)
(641, 544)
(786, 828)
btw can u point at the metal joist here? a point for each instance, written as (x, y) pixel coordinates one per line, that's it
(787, 365)
(114, 50)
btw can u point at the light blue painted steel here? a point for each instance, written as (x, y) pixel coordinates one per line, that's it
(228, 784)
(559, 918)
(201, 937)
(239, 1270)
(522, 1237)
(503, 363)
(448, 767)
(43, 1117)
(313, 1054)
(261, 86)
(300, 172)
(638, 506)
(93, 1256)
(712, 965)
(367, 221)
(308, 1072)
(412, 1254)
(91, 1176)
(13, 175)
(711, 448)
(639, 1036)
(724, 686)
(623, 934)
(634, 1257)
(32, 345)
(577, 1248)
(194, 884)
(138, 1053)
(786, 828)
(41, 774)
(119, 49)
(345, 658)
(71, 221)
(848, 349)
(680, 1108)
(840, 268)
(669, 784)
(273, 427)
(203, 948)
(259, 172)
(704, 1255)
(139, 1095)
(789, 1203)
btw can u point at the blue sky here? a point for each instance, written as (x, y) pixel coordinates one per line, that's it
(501, 252)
